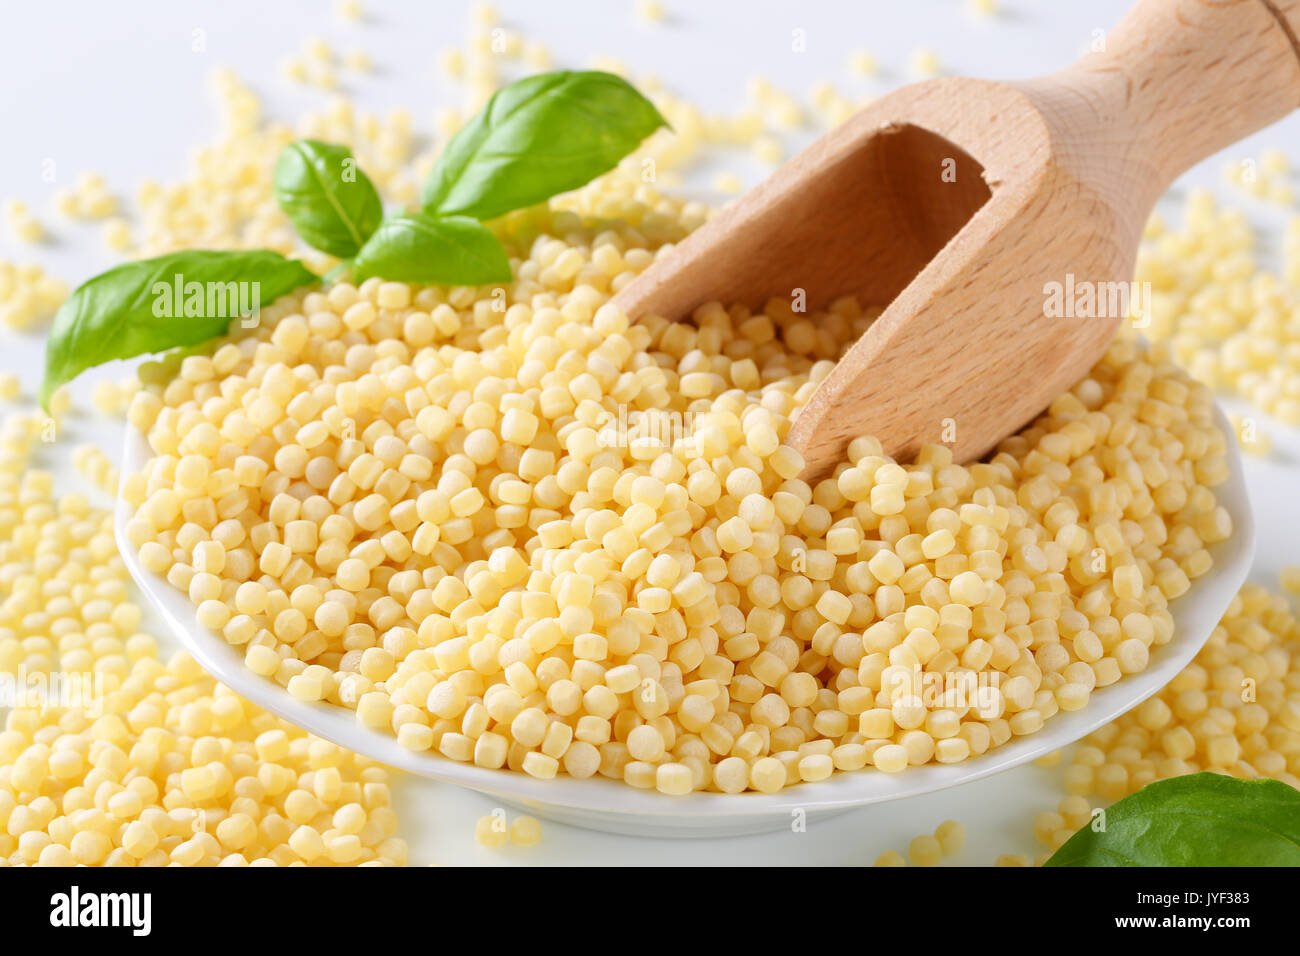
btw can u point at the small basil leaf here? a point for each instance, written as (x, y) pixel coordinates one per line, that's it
(153, 305)
(1202, 819)
(537, 137)
(326, 196)
(452, 250)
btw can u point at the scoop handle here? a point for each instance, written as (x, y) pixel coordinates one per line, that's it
(1182, 79)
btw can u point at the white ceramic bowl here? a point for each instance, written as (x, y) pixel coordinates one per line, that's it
(602, 804)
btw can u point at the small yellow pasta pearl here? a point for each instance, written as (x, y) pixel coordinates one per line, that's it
(491, 830)
(924, 851)
(525, 831)
(951, 836)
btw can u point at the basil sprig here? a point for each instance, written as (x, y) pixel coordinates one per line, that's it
(330, 201)
(153, 305)
(535, 138)
(1202, 819)
(456, 250)
(538, 137)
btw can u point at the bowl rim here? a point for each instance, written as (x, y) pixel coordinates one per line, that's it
(1196, 613)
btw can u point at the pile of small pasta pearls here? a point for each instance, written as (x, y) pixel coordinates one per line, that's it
(407, 502)
(1229, 323)
(1234, 710)
(168, 767)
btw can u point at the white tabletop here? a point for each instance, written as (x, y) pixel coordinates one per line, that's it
(122, 89)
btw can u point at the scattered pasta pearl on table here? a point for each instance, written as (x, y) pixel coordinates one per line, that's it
(147, 761)
(525, 831)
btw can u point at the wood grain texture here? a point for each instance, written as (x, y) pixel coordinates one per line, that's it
(1055, 178)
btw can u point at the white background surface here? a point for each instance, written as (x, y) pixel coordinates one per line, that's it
(118, 88)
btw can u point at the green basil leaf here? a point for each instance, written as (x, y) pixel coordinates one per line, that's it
(326, 196)
(453, 250)
(1202, 819)
(153, 305)
(537, 137)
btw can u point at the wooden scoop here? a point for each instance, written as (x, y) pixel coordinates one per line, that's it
(984, 214)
